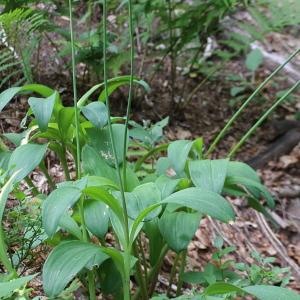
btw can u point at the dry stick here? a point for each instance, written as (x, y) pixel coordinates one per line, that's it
(276, 243)
(245, 104)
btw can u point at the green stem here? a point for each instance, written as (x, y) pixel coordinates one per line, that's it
(64, 164)
(139, 275)
(155, 271)
(261, 119)
(153, 151)
(173, 273)
(91, 279)
(131, 33)
(127, 250)
(46, 173)
(181, 271)
(144, 260)
(245, 104)
(34, 190)
(74, 80)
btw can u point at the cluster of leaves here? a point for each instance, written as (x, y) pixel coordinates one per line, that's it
(165, 203)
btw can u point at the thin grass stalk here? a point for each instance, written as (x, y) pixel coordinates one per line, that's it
(130, 94)
(127, 250)
(245, 104)
(91, 277)
(236, 147)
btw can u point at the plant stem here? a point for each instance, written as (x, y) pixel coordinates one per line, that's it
(245, 104)
(155, 271)
(74, 81)
(172, 50)
(152, 278)
(261, 119)
(181, 271)
(127, 250)
(64, 163)
(153, 151)
(46, 173)
(173, 273)
(91, 279)
(131, 33)
(34, 190)
(143, 257)
(139, 274)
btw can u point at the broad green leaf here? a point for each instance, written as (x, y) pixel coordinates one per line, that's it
(26, 158)
(178, 152)
(155, 238)
(178, 228)
(17, 138)
(6, 189)
(266, 292)
(94, 164)
(9, 287)
(141, 198)
(96, 113)
(96, 217)
(67, 260)
(193, 277)
(79, 184)
(137, 224)
(102, 195)
(112, 85)
(101, 181)
(65, 119)
(56, 205)
(166, 185)
(219, 288)
(110, 279)
(203, 201)
(42, 109)
(100, 140)
(237, 168)
(250, 185)
(4, 159)
(209, 174)
(7, 95)
(68, 223)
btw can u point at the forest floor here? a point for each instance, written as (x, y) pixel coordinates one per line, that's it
(205, 115)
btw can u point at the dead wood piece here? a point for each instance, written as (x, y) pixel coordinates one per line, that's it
(282, 126)
(281, 146)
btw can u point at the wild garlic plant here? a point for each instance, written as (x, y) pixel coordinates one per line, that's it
(163, 204)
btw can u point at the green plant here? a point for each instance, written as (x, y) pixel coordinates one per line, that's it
(16, 57)
(163, 205)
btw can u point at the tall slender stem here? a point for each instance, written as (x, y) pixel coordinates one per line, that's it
(181, 271)
(245, 104)
(74, 81)
(127, 249)
(131, 33)
(261, 119)
(91, 277)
